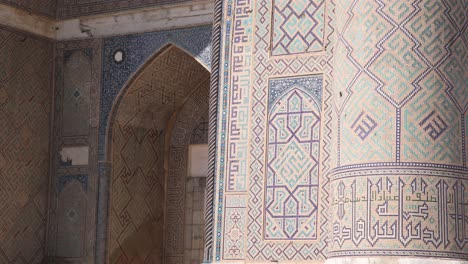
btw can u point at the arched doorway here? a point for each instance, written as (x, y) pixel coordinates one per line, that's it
(155, 206)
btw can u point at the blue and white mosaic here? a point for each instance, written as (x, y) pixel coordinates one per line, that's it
(310, 84)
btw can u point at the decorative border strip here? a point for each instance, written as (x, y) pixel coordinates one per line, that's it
(383, 253)
(395, 191)
(212, 130)
(398, 165)
(222, 124)
(377, 171)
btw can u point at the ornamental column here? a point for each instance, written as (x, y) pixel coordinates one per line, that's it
(400, 187)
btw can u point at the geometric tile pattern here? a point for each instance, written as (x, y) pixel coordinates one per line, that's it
(136, 196)
(404, 61)
(234, 210)
(25, 103)
(298, 26)
(292, 183)
(229, 234)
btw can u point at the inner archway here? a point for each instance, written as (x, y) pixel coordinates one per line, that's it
(159, 114)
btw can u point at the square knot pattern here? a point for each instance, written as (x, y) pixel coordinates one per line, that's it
(434, 125)
(298, 26)
(363, 125)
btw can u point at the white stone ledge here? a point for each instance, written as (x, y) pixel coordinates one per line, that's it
(22, 20)
(173, 16)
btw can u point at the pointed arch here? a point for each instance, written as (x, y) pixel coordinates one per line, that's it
(158, 55)
(135, 150)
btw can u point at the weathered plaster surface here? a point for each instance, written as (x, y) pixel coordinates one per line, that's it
(75, 155)
(198, 160)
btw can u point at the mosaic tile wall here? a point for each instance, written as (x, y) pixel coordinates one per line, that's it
(274, 131)
(25, 106)
(341, 130)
